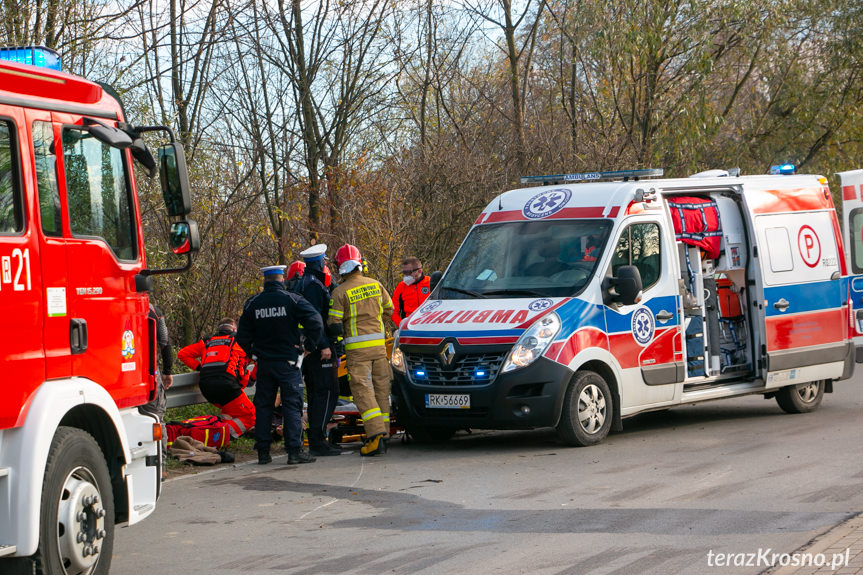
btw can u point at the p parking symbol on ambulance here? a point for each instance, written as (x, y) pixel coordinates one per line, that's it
(809, 246)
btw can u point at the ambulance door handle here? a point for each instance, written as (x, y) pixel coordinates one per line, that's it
(78, 336)
(781, 305)
(663, 316)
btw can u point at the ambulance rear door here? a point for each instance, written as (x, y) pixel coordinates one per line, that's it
(852, 229)
(805, 322)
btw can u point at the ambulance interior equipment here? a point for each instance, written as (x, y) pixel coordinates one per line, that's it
(712, 256)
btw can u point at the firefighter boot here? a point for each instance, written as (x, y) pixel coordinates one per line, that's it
(375, 445)
(264, 456)
(297, 456)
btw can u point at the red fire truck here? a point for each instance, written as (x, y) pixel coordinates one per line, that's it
(77, 350)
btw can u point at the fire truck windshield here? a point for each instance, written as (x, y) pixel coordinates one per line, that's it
(525, 259)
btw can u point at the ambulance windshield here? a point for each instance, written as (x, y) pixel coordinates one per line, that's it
(526, 259)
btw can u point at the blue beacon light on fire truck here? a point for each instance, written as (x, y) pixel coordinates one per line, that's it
(33, 56)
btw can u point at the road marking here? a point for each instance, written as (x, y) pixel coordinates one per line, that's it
(352, 485)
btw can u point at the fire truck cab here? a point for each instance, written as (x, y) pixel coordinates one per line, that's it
(576, 305)
(78, 351)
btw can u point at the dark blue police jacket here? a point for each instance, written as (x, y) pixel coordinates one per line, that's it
(269, 327)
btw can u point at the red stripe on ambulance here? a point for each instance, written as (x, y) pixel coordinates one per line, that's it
(805, 329)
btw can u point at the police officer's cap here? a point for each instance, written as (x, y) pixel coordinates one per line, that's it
(273, 270)
(314, 253)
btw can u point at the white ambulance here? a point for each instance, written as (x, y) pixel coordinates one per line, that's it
(575, 305)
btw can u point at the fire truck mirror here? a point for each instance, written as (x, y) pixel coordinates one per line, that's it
(185, 237)
(143, 283)
(110, 135)
(144, 156)
(175, 179)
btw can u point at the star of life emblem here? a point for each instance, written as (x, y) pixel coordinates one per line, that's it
(643, 326)
(546, 203)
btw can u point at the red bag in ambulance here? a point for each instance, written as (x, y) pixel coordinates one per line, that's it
(696, 222)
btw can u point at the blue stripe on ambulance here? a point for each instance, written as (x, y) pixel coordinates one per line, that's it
(805, 297)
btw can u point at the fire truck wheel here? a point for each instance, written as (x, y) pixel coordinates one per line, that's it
(76, 531)
(587, 410)
(801, 398)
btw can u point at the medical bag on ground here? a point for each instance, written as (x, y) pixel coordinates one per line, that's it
(208, 429)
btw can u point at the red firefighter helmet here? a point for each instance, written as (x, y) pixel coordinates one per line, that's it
(348, 258)
(328, 277)
(297, 268)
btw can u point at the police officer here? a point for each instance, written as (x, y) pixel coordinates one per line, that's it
(322, 385)
(269, 329)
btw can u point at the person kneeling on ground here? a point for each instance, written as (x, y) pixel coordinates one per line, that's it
(222, 363)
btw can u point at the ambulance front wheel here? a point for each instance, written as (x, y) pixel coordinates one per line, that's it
(76, 525)
(587, 410)
(801, 398)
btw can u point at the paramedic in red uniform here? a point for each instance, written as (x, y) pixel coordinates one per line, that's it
(222, 363)
(412, 291)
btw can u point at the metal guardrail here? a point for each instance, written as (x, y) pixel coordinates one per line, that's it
(185, 390)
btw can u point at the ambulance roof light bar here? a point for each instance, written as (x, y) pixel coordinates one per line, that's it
(624, 175)
(32, 55)
(783, 170)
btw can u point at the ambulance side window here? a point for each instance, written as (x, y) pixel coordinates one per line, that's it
(98, 192)
(856, 221)
(11, 202)
(640, 246)
(46, 178)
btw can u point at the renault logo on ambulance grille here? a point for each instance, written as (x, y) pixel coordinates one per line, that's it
(447, 354)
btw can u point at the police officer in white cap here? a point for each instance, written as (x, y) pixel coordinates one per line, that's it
(270, 329)
(322, 385)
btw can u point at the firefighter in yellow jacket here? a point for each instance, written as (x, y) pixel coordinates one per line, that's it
(356, 313)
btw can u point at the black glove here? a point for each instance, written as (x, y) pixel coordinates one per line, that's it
(338, 348)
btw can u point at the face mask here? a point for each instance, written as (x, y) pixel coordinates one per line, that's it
(409, 280)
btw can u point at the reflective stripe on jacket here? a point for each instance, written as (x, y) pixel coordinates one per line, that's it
(360, 303)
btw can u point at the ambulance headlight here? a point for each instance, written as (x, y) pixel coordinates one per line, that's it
(533, 342)
(397, 359)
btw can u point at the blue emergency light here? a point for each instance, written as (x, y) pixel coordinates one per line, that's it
(624, 175)
(783, 169)
(33, 56)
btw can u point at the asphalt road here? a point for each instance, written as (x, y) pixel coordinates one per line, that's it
(730, 476)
